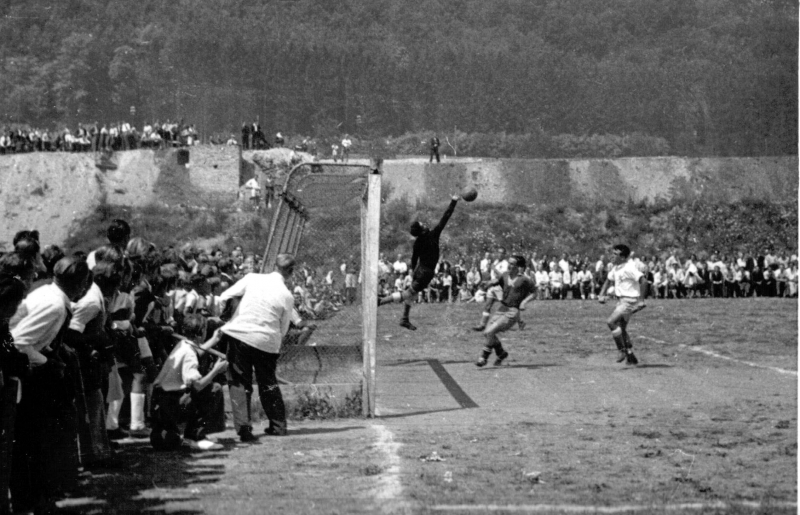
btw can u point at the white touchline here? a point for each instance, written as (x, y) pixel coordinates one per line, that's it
(389, 486)
(716, 355)
(575, 508)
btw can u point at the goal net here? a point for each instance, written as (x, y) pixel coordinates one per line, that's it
(328, 216)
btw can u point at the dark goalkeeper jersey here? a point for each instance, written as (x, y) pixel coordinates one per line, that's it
(426, 246)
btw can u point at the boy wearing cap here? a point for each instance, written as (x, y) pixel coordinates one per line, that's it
(630, 288)
(423, 263)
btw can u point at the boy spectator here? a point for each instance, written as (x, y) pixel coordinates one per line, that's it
(181, 383)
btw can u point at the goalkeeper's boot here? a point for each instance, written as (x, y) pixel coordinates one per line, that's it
(408, 325)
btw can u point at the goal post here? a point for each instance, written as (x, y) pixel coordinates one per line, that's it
(370, 238)
(328, 216)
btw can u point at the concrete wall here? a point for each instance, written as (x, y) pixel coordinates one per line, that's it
(51, 191)
(561, 181)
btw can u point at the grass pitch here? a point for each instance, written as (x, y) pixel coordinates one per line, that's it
(707, 423)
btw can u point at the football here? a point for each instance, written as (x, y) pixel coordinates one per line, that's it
(469, 193)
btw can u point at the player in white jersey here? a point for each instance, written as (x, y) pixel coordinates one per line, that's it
(494, 293)
(630, 287)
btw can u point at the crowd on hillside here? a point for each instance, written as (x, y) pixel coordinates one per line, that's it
(96, 137)
(580, 277)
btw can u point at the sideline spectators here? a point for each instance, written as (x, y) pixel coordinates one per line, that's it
(142, 307)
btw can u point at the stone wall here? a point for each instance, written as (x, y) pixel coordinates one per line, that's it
(53, 191)
(548, 181)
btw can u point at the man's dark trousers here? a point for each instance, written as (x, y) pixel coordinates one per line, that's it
(243, 361)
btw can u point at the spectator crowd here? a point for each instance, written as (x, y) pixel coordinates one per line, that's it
(672, 276)
(96, 137)
(122, 341)
(126, 340)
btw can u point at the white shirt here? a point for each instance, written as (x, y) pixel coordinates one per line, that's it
(38, 320)
(400, 267)
(180, 370)
(564, 266)
(87, 308)
(499, 268)
(542, 278)
(555, 278)
(485, 264)
(626, 279)
(264, 312)
(253, 186)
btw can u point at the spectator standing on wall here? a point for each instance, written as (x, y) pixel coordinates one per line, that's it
(346, 144)
(245, 136)
(434, 147)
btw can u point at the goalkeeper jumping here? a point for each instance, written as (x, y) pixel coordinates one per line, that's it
(423, 263)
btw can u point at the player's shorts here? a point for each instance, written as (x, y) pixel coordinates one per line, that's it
(495, 293)
(625, 307)
(503, 320)
(422, 278)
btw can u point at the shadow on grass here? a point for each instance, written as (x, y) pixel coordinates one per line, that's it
(148, 481)
(649, 365)
(321, 430)
(529, 367)
(416, 413)
(402, 362)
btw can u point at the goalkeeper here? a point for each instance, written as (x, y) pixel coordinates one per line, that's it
(423, 263)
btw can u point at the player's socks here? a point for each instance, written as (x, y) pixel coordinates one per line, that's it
(619, 340)
(484, 318)
(626, 337)
(501, 355)
(484, 356)
(404, 322)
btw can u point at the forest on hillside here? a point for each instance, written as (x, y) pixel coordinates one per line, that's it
(705, 77)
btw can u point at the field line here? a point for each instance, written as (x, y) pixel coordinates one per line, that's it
(389, 491)
(720, 356)
(576, 508)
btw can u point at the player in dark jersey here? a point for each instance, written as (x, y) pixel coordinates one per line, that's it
(518, 290)
(423, 262)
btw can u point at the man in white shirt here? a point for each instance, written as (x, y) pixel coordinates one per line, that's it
(346, 144)
(46, 411)
(563, 264)
(630, 288)
(543, 284)
(255, 192)
(400, 267)
(495, 293)
(254, 339)
(384, 268)
(486, 266)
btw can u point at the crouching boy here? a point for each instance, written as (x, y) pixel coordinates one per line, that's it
(180, 383)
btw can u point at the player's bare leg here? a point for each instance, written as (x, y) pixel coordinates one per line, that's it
(407, 298)
(493, 343)
(629, 355)
(487, 313)
(617, 323)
